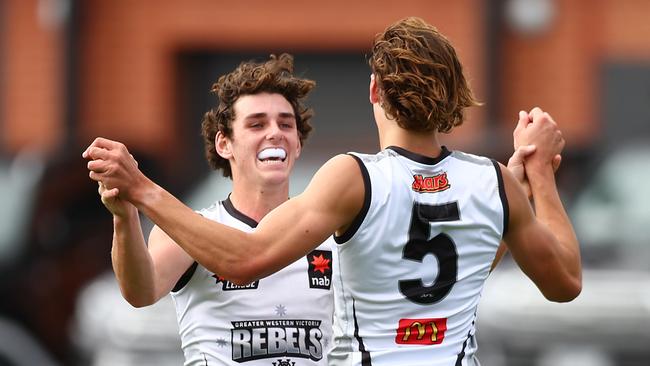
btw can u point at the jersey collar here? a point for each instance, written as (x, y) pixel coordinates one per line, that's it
(421, 158)
(230, 208)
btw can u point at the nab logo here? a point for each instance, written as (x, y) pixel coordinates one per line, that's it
(421, 331)
(229, 286)
(437, 183)
(320, 269)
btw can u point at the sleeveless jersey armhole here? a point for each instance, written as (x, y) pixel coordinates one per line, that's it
(504, 198)
(358, 220)
(185, 278)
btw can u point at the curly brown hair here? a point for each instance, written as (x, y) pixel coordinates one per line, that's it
(249, 78)
(420, 78)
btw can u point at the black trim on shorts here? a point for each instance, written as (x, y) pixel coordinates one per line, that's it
(421, 158)
(504, 198)
(185, 278)
(227, 204)
(358, 220)
(365, 355)
(461, 355)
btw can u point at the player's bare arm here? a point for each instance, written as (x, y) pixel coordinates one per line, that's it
(517, 167)
(545, 247)
(131, 262)
(330, 202)
(170, 262)
(144, 274)
(550, 263)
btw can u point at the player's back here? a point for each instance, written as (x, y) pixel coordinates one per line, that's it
(411, 269)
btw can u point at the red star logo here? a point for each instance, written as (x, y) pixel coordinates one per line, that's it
(218, 278)
(320, 264)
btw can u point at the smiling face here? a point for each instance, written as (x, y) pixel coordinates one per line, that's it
(264, 143)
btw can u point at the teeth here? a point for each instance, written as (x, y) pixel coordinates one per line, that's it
(271, 153)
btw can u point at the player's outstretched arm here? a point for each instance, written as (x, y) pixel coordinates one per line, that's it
(332, 199)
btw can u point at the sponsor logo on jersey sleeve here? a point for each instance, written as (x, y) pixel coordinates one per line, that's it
(436, 183)
(421, 331)
(257, 339)
(320, 269)
(229, 286)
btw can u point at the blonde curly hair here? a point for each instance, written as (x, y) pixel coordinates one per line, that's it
(420, 78)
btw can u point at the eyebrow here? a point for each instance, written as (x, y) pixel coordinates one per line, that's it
(262, 114)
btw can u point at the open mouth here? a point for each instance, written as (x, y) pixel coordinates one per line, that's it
(272, 154)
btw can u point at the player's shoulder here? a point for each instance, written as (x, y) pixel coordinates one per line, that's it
(367, 158)
(340, 178)
(341, 165)
(214, 207)
(472, 159)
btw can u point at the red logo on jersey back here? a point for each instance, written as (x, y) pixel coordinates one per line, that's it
(437, 183)
(421, 331)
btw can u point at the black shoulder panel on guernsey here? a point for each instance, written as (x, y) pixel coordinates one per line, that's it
(504, 198)
(185, 278)
(347, 235)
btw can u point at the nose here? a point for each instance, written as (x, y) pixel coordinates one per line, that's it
(274, 133)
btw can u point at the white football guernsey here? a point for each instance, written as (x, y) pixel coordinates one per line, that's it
(284, 319)
(411, 268)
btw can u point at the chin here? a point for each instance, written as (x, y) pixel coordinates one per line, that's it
(277, 177)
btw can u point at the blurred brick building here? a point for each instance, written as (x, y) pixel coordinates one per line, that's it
(72, 70)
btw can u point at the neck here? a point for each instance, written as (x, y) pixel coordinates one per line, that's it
(391, 134)
(256, 202)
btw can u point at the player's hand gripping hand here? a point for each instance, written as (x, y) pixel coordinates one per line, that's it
(112, 165)
(525, 136)
(111, 200)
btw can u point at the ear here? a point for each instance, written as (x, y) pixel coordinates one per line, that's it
(298, 149)
(373, 90)
(223, 146)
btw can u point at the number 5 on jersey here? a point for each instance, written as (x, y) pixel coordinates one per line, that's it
(441, 246)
